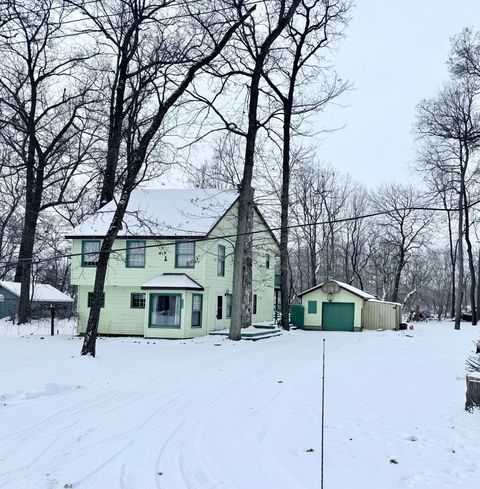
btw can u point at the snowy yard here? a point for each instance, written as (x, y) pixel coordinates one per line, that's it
(208, 413)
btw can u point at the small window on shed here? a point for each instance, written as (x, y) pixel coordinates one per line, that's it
(312, 307)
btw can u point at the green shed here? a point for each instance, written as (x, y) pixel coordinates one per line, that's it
(337, 306)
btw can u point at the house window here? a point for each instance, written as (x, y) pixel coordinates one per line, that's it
(228, 306)
(219, 307)
(312, 307)
(197, 300)
(267, 261)
(165, 310)
(90, 253)
(254, 304)
(184, 255)
(136, 254)
(221, 261)
(89, 301)
(137, 300)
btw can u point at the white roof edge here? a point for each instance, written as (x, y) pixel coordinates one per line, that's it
(343, 285)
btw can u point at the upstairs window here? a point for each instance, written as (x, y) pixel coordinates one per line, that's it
(184, 255)
(137, 300)
(254, 304)
(90, 253)
(135, 254)
(221, 261)
(267, 261)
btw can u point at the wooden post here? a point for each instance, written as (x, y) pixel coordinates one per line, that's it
(473, 393)
(52, 320)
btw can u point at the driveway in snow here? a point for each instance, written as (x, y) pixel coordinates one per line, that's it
(212, 414)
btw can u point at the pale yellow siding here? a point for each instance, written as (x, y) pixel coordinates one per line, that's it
(381, 315)
(118, 318)
(314, 321)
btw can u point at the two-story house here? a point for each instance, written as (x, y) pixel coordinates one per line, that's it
(170, 275)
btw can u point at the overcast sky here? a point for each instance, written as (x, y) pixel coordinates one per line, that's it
(394, 53)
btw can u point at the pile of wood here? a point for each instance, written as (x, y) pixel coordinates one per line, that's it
(473, 381)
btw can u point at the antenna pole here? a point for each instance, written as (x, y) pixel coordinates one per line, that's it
(323, 415)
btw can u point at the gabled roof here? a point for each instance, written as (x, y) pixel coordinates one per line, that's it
(172, 281)
(342, 285)
(41, 292)
(166, 213)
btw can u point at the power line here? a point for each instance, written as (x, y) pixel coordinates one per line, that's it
(249, 233)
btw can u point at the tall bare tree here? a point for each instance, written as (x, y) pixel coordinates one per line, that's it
(299, 64)
(451, 123)
(42, 114)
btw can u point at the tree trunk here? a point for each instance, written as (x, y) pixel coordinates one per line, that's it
(89, 342)
(33, 200)
(459, 296)
(453, 258)
(471, 264)
(238, 298)
(398, 274)
(284, 201)
(473, 393)
(247, 274)
(245, 204)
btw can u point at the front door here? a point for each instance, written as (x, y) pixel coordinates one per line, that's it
(219, 313)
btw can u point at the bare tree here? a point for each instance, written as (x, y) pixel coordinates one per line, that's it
(402, 227)
(298, 65)
(42, 114)
(450, 122)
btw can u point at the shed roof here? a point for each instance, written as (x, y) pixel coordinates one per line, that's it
(350, 288)
(41, 292)
(172, 281)
(162, 213)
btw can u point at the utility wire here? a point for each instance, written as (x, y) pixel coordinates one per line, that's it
(249, 233)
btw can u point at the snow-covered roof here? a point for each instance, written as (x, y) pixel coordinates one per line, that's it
(162, 213)
(41, 292)
(174, 281)
(343, 285)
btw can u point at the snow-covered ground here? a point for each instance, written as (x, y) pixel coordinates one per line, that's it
(212, 414)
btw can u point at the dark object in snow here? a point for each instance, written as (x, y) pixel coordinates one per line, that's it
(68, 486)
(42, 338)
(466, 316)
(280, 381)
(217, 344)
(159, 473)
(309, 450)
(402, 326)
(473, 393)
(393, 461)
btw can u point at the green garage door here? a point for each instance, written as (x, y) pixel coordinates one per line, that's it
(338, 316)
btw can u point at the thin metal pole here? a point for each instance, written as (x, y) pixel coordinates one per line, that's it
(323, 415)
